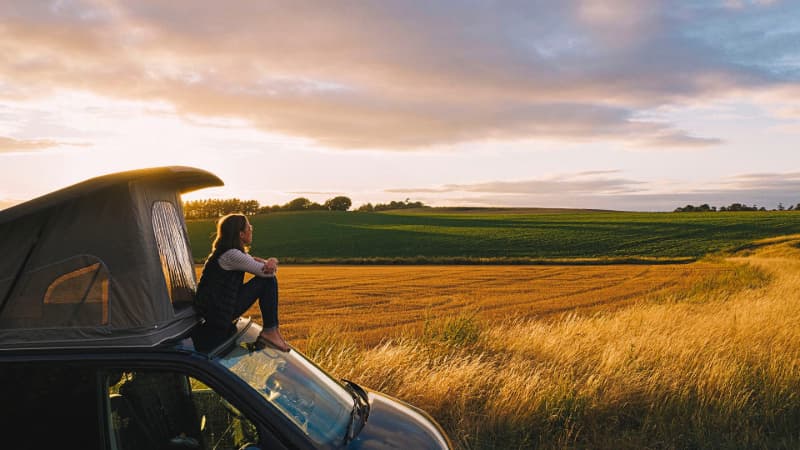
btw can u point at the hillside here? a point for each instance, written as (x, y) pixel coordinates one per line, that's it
(500, 236)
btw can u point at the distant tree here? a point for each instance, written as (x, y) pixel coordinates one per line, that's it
(691, 208)
(367, 207)
(398, 205)
(742, 207)
(249, 207)
(781, 207)
(213, 208)
(298, 204)
(340, 203)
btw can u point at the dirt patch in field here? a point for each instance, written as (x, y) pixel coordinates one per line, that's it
(373, 303)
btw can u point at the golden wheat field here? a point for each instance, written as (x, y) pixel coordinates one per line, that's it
(712, 365)
(369, 304)
(696, 356)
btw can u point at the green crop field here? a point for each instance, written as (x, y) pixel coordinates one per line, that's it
(508, 236)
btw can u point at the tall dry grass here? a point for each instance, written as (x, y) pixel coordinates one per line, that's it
(716, 365)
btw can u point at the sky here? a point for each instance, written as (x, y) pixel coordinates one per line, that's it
(613, 104)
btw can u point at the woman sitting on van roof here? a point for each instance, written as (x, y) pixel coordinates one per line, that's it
(221, 294)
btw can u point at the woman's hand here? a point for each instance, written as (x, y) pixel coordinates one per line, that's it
(270, 266)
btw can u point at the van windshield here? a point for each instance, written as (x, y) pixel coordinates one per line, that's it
(309, 397)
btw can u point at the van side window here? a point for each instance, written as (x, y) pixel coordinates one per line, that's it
(158, 409)
(48, 405)
(173, 249)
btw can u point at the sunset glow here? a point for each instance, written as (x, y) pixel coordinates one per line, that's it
(619, 104)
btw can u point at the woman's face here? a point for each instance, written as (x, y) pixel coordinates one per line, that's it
(247, 235)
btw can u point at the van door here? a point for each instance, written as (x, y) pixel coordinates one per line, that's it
(50, 405)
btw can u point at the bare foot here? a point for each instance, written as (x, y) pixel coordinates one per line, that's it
(273, 338)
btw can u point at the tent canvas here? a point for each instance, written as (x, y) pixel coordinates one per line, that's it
(103, 263)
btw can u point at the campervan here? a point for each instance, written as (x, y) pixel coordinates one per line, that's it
(96, 317)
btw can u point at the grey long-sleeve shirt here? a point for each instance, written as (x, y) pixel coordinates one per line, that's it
(235, 259)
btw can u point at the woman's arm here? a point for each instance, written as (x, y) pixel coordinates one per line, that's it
(235, 259)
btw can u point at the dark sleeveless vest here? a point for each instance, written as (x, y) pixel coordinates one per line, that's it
(216, 296)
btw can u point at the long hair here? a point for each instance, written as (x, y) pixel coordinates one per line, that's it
(228, 229)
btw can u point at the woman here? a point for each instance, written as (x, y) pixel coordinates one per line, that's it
(221, 296)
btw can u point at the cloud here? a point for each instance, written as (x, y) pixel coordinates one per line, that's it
(584, 183)
(596, 172)
(8, 145)
(599, 191)
(742, 4)
(765, 182)
(407, 74)
(317, 193)
(677, 139)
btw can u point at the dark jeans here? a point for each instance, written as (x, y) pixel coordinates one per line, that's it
(265, 290)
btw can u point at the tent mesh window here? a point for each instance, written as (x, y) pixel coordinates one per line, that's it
(173, 249)
(86, 286)
(69, 293)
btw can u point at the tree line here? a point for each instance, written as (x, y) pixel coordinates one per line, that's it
(212, 208)
(735, 207)
(369, 207)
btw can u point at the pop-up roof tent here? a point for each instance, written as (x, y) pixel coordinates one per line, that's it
(103, 263)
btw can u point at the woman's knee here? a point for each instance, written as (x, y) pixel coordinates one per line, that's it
(267, 284)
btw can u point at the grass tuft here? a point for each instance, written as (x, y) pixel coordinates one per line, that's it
(461, 330)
